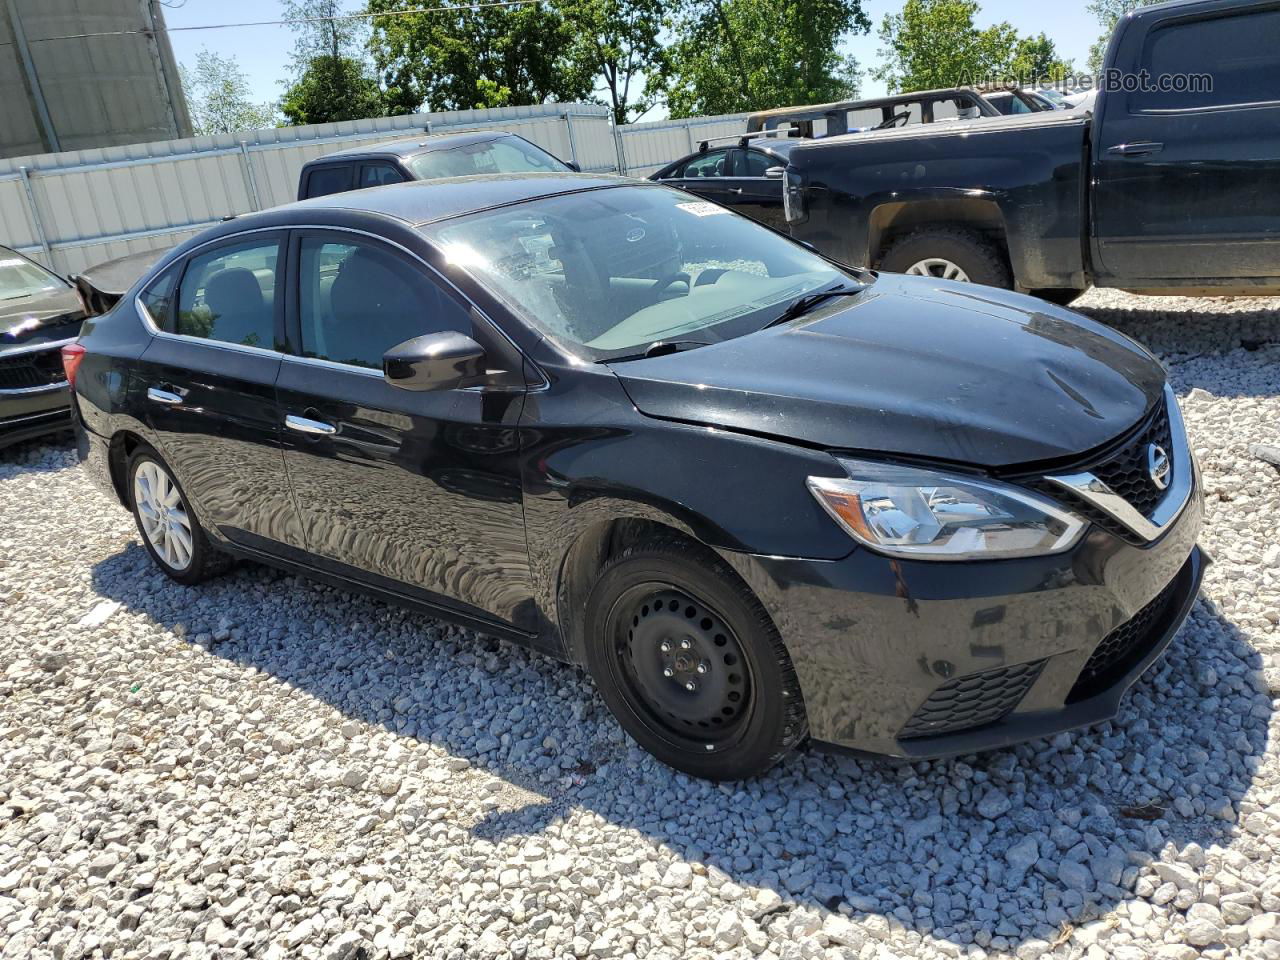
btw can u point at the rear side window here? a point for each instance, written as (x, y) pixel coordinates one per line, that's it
(379, 174)
(323, 181)
(1239, 56)
(229, 294)
(157, 298)
(714, 163)
(358, 300)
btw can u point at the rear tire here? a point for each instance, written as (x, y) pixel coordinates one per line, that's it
(168, 527)
(926, 252)
(690, 663)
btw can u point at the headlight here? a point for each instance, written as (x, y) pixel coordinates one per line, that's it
(927, 515)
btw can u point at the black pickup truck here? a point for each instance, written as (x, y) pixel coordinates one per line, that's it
(1172, 185)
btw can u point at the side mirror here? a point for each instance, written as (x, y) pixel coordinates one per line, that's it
(776, 173)
(573, 165)
(437, 361)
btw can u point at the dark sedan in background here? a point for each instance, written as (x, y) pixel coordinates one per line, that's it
(39, 312)
(746, 175)
(760, 496)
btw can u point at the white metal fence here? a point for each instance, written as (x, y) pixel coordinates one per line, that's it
(75, 209)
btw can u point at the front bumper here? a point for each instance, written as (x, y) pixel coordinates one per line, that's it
(921, 659)
(29, 413)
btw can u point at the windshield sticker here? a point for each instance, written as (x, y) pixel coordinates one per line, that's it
(701, 208)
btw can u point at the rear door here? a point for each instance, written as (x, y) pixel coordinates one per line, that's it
(210, 375)
(1187, 180)
(752, 193)
(417, 492)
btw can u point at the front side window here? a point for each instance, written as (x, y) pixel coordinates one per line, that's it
(357, 300)
(19, 277)
(713, 163)
(606, 272)
(502, 155)
(753, 164)
(229, 294)
(379, 174)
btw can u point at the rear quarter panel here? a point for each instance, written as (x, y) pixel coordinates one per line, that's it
(1032, 170)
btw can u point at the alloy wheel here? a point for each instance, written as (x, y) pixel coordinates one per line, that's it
(684, 665)
(938, 268)
(163, 515)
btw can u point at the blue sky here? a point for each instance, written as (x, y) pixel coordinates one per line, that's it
(263, 52)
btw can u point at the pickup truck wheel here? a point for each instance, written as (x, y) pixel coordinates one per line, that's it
(949, 254)
(689, 662)
(1058, 295)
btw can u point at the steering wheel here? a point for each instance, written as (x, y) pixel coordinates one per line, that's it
(897, 120)
(667, 280)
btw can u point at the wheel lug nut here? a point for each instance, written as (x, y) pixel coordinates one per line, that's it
(703, 666)
(691, 686)
(686, 644)
(665, 646)
(668, 672)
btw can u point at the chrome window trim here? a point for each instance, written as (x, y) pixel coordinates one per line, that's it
(154, 330)
(334, 365)
(1088, 487)
(37, 347)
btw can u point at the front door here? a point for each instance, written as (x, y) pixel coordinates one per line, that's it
(1187, 181)
(412, 491)
(752, 193)
(209, 378)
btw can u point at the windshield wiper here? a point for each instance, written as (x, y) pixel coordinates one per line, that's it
(803, 304)
(659, 349)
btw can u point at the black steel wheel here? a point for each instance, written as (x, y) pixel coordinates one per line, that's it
(690, 663)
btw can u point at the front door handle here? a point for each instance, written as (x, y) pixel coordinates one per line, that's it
(736, 190)
(166, 397)
(1140, 149)
(305, 425)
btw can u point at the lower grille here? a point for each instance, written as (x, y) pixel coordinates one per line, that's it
(42, 368)
(972, 701)
(1124, 646)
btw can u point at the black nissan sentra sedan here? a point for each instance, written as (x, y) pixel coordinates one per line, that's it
(760, 496)
(39, 312)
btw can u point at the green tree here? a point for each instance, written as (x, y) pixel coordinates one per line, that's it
(934, 43)
(614, 42)
(738, 55)
(1108, 13)
(332, 74)
(331, 89)
(1036, 59)
(218, 97)
(460, 59)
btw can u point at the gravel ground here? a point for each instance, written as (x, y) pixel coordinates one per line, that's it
(265, 767)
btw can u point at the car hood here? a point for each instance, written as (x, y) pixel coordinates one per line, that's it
(39, 317)
(915, 367)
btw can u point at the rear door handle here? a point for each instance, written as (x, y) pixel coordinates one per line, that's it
(313, 427)
(167, 397)
(1141, 149)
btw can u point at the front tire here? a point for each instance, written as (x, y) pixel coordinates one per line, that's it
(949, 253)
(168, 527)
(690, 663)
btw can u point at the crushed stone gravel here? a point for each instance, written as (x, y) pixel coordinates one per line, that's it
(266, 767)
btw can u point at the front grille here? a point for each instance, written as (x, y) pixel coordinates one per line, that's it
(39, 369)
(973, 701)
(1125, 472)
(1124, 646)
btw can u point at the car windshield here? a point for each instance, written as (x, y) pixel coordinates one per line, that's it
(20, 277)
(503, 155)
(609, 272)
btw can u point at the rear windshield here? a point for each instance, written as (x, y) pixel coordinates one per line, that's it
(20, 277)
(610, 272)
(505, 155)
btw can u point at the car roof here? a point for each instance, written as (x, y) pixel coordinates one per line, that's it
(402, 149)
(426, 201)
